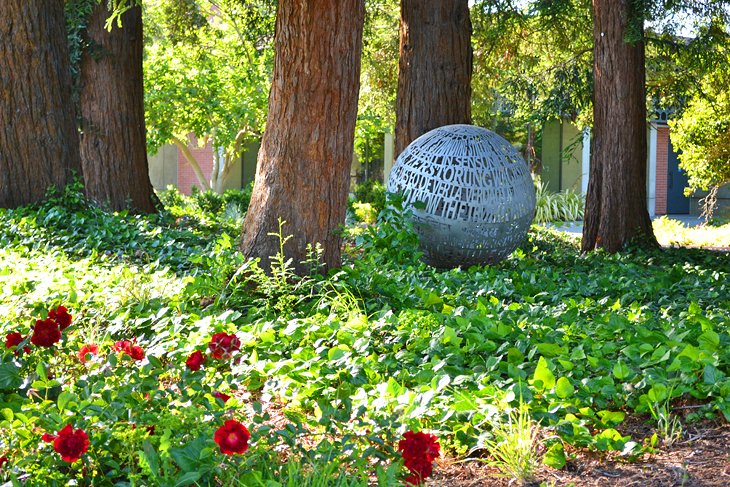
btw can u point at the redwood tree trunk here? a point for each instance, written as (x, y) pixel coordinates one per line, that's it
(434, 72)
(615, 210)
(113, 137)
(39, 145)
(304, 162)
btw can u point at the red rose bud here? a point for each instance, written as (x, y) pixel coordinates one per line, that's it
(232, 437)
(195, 360)
(45, 333)
(71, 444)
(61, 317)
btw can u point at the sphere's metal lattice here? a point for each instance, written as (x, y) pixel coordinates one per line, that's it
(471, 194)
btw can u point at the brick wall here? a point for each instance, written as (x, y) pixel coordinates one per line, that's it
(662, 159)
(185, 176)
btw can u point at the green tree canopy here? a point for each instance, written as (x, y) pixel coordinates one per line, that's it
(207, 72)
(702, 132)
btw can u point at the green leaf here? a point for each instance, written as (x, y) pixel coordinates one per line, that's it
(611, 418)
(621, 370)
(64, 398)
(709, 341)
(432, 300)
(150, 455)
(712, 374)
(543, 379)
(9, 377)
(549, 349)
(336, 353)
(7, 414)
(187, 479)
(563, 388)
(555, 456)
(657, 393)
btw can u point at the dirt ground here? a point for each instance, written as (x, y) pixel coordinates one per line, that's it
(700, 459)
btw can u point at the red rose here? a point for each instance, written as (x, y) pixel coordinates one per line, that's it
(195, 360)
(414, 480)
(60, 315)
(48, 438)
(13, 340)
(136, 352)
(221, 396)
(71, 444)
(3, 461)
(419, 450)
(128, 347)
(222, 345)
(45, 333)
(232, 437)
(89, 349)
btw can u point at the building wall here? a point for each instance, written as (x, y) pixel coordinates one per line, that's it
(562, 156)
(551, 148)
(571, 153)
(723, 202)
(163, 167)
(186, 178)
(662, 160)
(249, 158)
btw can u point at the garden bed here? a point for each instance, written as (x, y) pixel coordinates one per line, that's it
(598, 353)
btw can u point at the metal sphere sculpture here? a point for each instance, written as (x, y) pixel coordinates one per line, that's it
(470, 192)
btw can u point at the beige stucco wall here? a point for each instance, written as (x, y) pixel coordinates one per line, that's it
(163, 167)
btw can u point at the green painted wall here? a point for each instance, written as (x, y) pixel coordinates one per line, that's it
(572, 152)
(551, 155)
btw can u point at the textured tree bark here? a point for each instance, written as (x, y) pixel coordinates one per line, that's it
(615, 211)
(435, 68)
(39, 145)
(304, 162)
(113, 136)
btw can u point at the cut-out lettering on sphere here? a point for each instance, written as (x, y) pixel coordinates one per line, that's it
(470, 192)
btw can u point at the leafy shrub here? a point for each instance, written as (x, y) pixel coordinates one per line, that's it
(566, 206)
(372, 192)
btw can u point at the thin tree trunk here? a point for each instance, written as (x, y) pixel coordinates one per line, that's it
(435, 68)
(194, 164)
(216, 175)
(615, 210)
(304, 163)
(39, 145)
(113, 136)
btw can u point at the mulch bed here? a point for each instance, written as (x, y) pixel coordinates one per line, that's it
(700, 459)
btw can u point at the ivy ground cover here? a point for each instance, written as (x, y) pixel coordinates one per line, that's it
(182, 364)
